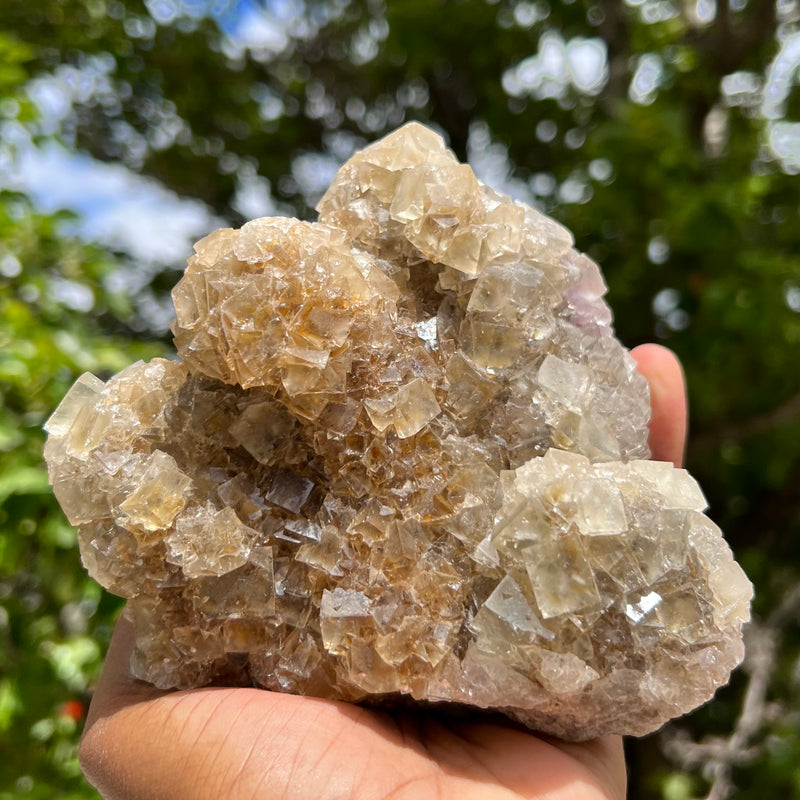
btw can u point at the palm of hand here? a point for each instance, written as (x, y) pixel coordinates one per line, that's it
(251, 743)
(216, 742)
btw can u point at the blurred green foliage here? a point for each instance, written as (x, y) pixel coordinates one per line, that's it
(47, 653)
(668, 167)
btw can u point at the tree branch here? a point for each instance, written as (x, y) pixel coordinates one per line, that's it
(718, 756)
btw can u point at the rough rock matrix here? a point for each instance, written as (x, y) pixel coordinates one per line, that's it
(403, 453)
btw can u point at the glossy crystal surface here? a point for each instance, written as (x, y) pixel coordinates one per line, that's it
(402, 453)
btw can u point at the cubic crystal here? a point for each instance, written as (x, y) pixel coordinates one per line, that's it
(402, 454)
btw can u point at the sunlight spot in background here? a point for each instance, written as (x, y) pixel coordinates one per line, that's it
(253, 196)
(558, 66)
(164, 11)
(784, 141)
(71, 294)
(654, 11)
(546, 130)
(741, 88)
(701, 12)
(575, 189)
(55, 94)
(665, 301)
(10, 266)
(313, 173)
(791, 295)
(601, 170)
(658, 250)
(489, 159)
(783, 75)
(543, 184)
(646, 79)
(526, 15)
(669, 316)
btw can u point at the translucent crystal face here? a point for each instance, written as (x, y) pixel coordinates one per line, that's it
(402, 453)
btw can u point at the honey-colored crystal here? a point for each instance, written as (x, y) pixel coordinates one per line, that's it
(402, 453)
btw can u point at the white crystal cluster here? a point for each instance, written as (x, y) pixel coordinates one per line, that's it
(402, 454)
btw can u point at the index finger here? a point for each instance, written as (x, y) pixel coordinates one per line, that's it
(668, 420)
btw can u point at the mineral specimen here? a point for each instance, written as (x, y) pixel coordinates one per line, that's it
(402, 454)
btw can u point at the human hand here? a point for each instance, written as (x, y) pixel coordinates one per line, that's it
(232, 743)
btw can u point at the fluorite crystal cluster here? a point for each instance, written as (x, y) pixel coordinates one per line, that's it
(402, 454)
